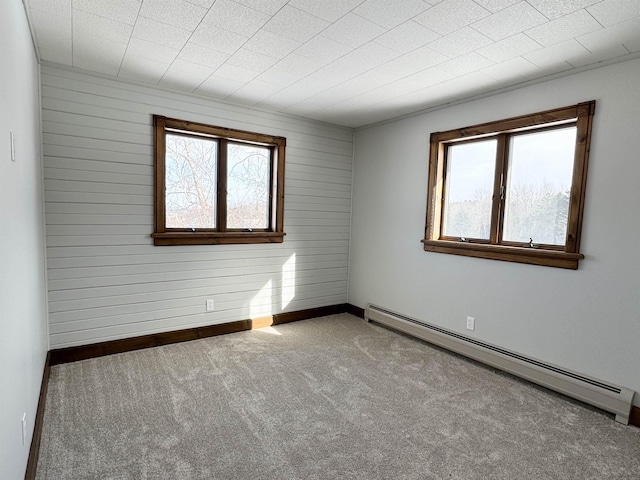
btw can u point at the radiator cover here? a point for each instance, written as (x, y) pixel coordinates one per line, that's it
(608, 397)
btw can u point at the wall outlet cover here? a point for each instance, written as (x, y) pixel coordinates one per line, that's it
(471, 323)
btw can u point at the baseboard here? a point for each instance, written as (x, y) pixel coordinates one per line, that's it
(353, 310)
(634, 418)
(34, 449)
(94, 350)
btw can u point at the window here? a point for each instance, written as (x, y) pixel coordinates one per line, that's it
(216, 185)
(511, 190)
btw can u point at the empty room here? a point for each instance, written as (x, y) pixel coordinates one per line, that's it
(318, 239)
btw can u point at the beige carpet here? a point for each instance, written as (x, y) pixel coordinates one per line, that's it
(326, 398)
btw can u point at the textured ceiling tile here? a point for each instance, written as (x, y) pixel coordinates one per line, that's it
(54, 36)
(564, 28)
(190, 69)
(181, 82)
(253, 92)
(271, 44)
(279, 77)
(510, 21)
(496, 5)
(390, 13)
(295, 24)
(142, 48)
(362, 59)
(160, 33)
(553, 9)
(328, 76)
(105, 58)
(389, 72)
(509, 48)
(610, 12)
(419, 59)
(516, 69)
(406, 37)
(353, 31)
(464, 64)
(233, 72)
(237, 18)
(56, 7)
(420, 80)
(203, 55)
(329, 10)
(348, 90)
(298, 65)
(251, 60)
(178, 13)
(460, 42)
(408, 64)
(286, 97)
(624, 33)
(323, 49)
(219, 87)
(143, 69)
(451, 15)
(202, 3)
(305, 108)
(599, 55)
(358, 102)
(218, 39)
(125, 11)
(265, 6)
(87, 25)
(459, 87)
(557, 54)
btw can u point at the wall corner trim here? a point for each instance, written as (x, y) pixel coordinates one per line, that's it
(354, 310)
(634, 417)
(34, 450)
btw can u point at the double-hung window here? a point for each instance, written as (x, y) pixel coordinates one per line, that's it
(216, 185)
(511, 190)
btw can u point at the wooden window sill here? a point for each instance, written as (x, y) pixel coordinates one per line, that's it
(532, 256)
(216, 238)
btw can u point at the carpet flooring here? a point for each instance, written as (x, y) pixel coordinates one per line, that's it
(332, 397)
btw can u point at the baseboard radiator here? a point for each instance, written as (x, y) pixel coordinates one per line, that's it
(611, 398)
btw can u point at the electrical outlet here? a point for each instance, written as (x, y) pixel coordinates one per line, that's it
(24, 428)
(210, 306)
(471, 323)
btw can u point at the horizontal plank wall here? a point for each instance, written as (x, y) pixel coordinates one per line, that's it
(106, 279)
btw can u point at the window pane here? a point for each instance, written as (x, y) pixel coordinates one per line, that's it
(538, 186)
(469, 189)
(248, 170)
(190, 182)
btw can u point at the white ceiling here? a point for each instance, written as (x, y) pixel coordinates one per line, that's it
(348, 62)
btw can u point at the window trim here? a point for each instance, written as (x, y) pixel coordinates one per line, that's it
(176, 236)
(568, 256)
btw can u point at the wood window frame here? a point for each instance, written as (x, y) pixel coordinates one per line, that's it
(274, 233)
(567, 256)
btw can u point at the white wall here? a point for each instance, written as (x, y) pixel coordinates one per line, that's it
(108, 281)
(23, 338)
(586, 320)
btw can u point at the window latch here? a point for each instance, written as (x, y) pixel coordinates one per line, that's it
(462, 239)
(531, 244)
(501, 192)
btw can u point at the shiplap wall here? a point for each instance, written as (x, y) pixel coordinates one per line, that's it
(106, 280)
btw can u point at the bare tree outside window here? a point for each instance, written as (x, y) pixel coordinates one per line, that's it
(190, 182)
(247, 186)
